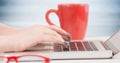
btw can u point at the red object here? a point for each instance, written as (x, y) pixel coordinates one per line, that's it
(73, 19)
(16, 58)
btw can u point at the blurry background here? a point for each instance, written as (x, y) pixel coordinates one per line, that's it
(104, 15)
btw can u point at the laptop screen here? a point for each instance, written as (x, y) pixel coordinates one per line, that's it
(114, 42)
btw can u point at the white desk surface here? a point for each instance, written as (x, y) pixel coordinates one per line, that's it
(81, 61)
(86, 61)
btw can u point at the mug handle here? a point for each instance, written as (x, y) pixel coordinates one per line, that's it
(47, 15)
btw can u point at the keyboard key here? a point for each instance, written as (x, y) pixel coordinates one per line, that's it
(57, 48)
(73, 46)
(80, 46)
(105, 46)
(67, 48)
(87, 46)
(66, 44)
(99, 46)
(93, 46)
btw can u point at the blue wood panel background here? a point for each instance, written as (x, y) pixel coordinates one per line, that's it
(104, 15)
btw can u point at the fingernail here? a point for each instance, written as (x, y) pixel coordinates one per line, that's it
(66, 43)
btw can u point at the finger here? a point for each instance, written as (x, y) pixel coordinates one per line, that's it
(58, 30)
(52, 38)
(66, 38)
(45, 30)
(53, 33)
(64, 34)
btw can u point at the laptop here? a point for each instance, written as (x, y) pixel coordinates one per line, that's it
(78, 49)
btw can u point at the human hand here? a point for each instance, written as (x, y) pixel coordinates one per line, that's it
(34, 35)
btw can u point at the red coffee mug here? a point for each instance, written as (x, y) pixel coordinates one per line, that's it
(73, 19)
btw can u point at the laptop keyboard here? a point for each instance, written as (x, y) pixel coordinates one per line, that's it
(76, 46)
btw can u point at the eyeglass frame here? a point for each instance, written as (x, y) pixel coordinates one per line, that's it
(15, 58)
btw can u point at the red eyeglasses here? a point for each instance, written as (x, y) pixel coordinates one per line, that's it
(24, 58)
